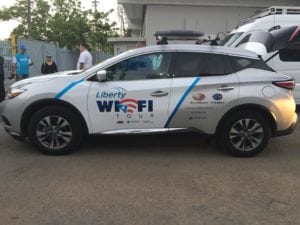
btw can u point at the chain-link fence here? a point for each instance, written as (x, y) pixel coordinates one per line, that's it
(38, 50)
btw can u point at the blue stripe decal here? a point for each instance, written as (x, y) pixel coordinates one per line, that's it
(66, 89)
(181, 101)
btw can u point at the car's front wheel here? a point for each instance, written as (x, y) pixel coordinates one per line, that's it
(55, 130)
(245, 133)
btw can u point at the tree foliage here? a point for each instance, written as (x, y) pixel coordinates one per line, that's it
(61, 21)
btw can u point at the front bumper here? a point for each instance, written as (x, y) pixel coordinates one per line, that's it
(10, 117)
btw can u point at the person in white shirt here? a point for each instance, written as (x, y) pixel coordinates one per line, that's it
(85, 59)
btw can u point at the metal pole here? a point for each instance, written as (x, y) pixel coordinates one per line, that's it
(29, 17)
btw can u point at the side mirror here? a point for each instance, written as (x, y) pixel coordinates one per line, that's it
(101, 75)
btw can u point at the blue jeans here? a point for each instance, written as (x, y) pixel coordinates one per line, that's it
(21, 76)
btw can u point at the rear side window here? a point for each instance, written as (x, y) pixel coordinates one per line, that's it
(240, 63)
(289, 55)
(190, 64)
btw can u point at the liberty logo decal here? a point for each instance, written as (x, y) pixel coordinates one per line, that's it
(125, 109)
(117, 92)
(126, 106)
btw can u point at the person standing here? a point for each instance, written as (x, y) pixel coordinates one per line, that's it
(21, 63)
(2, 87)
(85, 59)
(49, 66)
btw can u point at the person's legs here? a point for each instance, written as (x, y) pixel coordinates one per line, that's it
(2, 91)
(21, 76)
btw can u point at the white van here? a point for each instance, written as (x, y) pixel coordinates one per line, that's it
(273, 18)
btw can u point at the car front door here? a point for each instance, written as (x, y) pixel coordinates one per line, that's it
(203, 89)
(135, 95)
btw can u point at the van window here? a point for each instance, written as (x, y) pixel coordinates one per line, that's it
(191, 64)
(244, 40)
(289, 55)
(240, 63)
(230, 39)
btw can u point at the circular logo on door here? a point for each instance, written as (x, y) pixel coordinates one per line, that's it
(199, 97)
(217, 96)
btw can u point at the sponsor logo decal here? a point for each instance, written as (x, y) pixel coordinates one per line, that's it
(198, 97)
(217, 96)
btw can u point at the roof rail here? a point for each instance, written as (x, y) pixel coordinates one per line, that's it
(162, 37)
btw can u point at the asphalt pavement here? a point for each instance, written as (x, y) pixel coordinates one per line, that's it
(155, 179)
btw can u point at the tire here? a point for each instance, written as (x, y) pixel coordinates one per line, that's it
(245, 133)
(55, 130)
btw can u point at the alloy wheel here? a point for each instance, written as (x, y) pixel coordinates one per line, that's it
(54, 132)
(246, 134)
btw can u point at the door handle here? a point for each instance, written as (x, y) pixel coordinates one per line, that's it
(225, 88)
(159, 94)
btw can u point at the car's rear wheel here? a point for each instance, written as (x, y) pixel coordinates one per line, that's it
(245, 133)
(55, 130)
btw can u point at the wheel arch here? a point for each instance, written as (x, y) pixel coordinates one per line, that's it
(254, 107)
(33, 107)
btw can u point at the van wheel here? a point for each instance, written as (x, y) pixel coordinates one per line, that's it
(55, 130)
(245, 133)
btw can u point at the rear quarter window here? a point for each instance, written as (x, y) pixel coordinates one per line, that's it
(240, 63)
(191, 64)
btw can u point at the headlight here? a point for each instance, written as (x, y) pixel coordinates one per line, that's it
(16, 91)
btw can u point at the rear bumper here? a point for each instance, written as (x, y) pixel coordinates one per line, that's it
(288, 130)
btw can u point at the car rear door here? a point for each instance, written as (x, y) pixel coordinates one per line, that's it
(135, 96)
(203, 89)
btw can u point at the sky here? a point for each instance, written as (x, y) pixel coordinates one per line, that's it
(104, 5)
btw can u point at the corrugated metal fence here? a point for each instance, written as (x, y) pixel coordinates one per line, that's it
(37, 50)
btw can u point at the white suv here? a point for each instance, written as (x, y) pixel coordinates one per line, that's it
(228, 92)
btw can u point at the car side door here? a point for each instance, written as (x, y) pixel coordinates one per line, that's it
(203, 89)
(135, 95)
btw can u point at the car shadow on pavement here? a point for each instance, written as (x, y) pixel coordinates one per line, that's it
(151, 144)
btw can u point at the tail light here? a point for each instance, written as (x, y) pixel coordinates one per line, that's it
(287, 84)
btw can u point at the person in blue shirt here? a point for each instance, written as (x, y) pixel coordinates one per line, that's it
(21, 63)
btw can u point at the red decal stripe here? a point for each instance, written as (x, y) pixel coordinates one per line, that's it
(131, 106)
(128, 100)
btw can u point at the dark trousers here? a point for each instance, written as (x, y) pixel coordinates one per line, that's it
(2, 91)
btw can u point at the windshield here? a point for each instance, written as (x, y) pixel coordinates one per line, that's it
(230, 39)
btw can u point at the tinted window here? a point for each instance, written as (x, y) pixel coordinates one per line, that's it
(240, 63)
(289, 55)
(151, 66)
(188, 64)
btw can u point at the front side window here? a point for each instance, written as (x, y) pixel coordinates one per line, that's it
(240, 63)
(190, 64)
(150, 66)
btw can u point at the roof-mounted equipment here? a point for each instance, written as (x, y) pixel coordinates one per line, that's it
(163, 37)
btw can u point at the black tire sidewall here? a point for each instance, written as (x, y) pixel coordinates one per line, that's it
(72, 118)
(225, 133)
